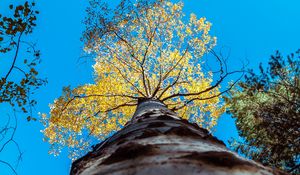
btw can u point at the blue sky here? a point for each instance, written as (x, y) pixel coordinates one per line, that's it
(252, 29)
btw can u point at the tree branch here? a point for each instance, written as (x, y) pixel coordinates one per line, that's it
(15, 57)
(203, 91)
(207, 98)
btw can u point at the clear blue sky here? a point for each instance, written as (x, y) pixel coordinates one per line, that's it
(252, 29)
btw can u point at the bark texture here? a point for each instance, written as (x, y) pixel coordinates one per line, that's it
(156, 141)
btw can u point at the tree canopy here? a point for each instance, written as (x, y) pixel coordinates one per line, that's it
(18, 75)
(19, 57)
(143, 49)
(266, 107)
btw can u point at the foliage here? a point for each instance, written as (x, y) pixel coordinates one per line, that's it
(16, 91)
(18, 75)
(146, 49)
(267, 112)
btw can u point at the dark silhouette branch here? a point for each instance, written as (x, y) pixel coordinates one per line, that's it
(121, 59)
(94, 95)
(4, 132)
(9, 165)
(211, 97)
(15, 56)
(203, 91)
(159, 82)
(171, 85)
(129, 103)
(176, 64)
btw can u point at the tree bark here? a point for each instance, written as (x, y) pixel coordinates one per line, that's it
(156, 141)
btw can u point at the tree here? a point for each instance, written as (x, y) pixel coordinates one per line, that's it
(157, 141)
(18, 78)
(16, 91)
(148, 72)
(267, 112)
(143, 50)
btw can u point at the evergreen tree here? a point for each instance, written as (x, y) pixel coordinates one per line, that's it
(266, 107)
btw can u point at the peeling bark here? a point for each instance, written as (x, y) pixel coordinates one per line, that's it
(156, 141)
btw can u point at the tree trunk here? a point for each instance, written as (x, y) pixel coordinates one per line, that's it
(156, 141)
